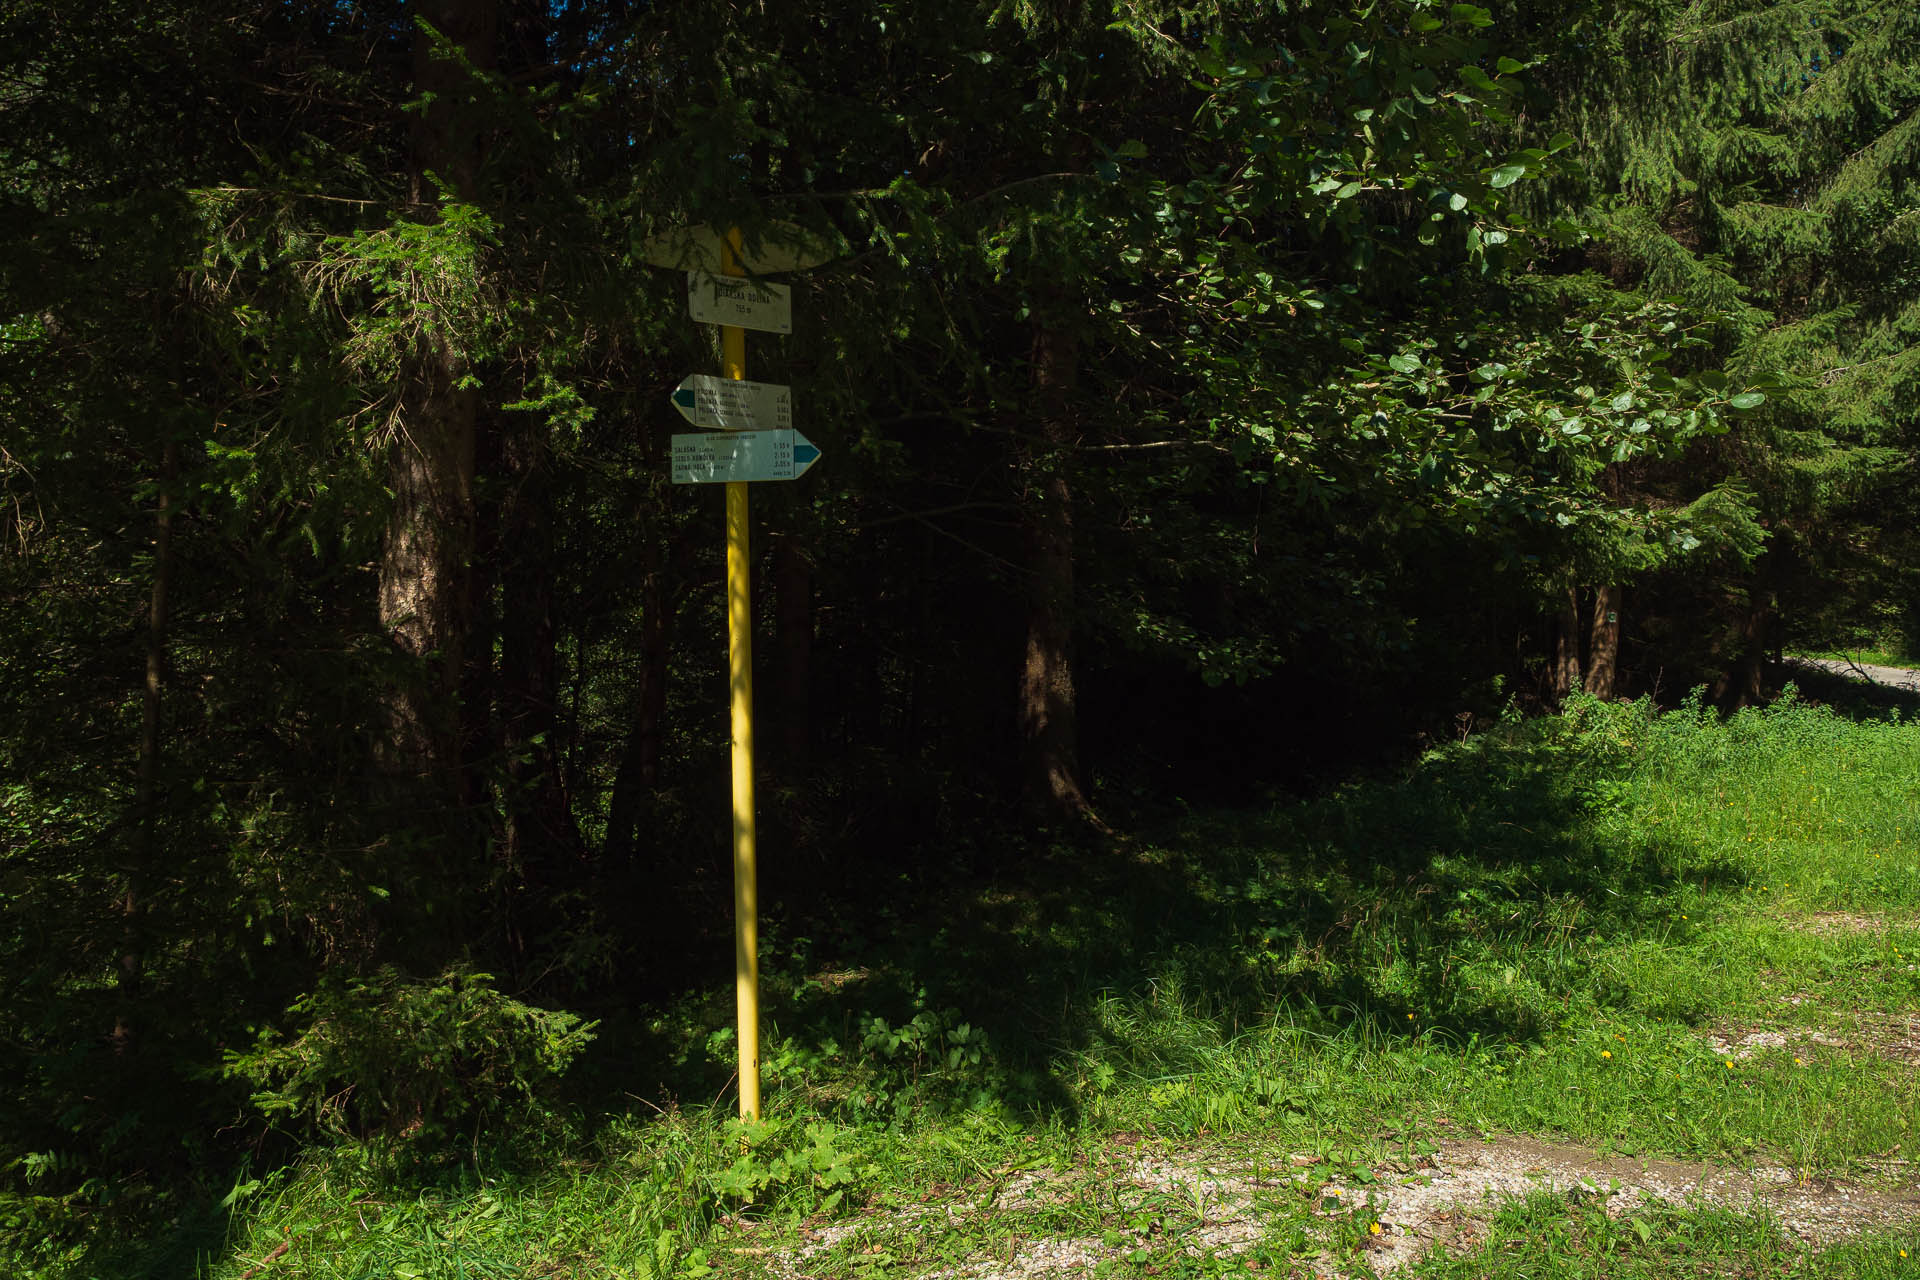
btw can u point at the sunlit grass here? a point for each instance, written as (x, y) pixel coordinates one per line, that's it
(1548, 1236)
(1539, 931)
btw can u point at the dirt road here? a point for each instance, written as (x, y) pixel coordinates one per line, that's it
(1892, 677)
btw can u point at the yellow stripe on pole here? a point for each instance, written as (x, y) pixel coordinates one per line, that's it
(746, 905)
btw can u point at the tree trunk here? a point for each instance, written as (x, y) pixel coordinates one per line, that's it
(793, 642)
(1603, 649)
(1048, 713)
(638, 775)
(133, 902)
(1747, 681)
(1566, 652)
(538, 841)
(425, 565)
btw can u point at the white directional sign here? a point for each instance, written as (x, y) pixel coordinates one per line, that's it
(775, 246)
(732, 404)
(742, 455)
(736, 300)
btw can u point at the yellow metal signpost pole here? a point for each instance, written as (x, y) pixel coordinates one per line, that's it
(746, 905)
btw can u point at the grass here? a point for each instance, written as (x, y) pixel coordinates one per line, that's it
(1540, 931)
(1560, 1235)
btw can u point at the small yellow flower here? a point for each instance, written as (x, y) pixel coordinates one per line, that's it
(1729, 1064)
(1374, 1228)
(1799, 1062)
(1606, 1053)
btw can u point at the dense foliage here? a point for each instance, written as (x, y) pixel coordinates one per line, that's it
(1212, 397)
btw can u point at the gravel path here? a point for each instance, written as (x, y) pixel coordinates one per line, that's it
(1448, 1197)
(1892, 677)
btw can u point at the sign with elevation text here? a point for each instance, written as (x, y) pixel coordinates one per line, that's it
(733, 404)
(742, 456)
(736, 300)
(773, 246)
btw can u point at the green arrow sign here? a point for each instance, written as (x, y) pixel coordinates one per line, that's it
(733, 404)
(742, 455)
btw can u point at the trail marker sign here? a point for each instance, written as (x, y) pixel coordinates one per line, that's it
(733, 404)
(778, 246)
(736, 300)
(740, 456)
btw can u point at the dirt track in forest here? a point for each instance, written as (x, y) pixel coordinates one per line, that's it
(1892, 677)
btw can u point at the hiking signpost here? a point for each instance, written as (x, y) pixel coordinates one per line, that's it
(751, 439)
(728, 405)
(748, 304)
(740, 457)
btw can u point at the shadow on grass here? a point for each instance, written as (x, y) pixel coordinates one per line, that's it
(1850, 696)
(1467, 892)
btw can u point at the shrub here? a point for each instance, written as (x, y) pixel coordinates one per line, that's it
(385, 1054)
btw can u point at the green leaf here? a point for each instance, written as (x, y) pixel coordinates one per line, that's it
(1506, 175)
(1478, 79)
(1131, 149)
(1473, 15)
(1402, 363)
(1508, 66)
(1747, 400)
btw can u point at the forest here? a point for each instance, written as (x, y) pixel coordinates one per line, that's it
(1218, 406)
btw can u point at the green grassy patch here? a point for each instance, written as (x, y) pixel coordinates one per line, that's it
(1655, 935)
(1547, 1236)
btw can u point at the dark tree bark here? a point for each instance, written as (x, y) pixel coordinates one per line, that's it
(1048, 711)
(425, 567)
(793, 631)
(1746, 681)
(638, 774)
(1566, 651)
(1603, 647)
(133, 902)
(538, 842)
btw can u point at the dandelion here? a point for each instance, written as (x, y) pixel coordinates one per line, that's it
(1374, 1228)
(1729, 1064)
(1798, 1062)
(1606, 1053)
